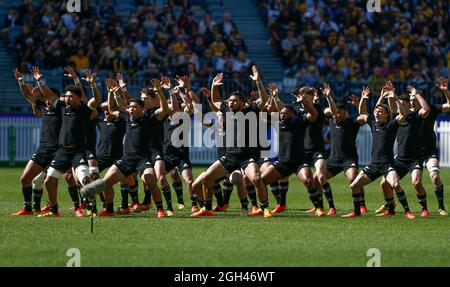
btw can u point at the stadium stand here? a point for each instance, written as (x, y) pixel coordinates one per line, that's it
(140, 39)
(343, 43)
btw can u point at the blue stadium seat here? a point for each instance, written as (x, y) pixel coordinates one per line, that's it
(13, 33)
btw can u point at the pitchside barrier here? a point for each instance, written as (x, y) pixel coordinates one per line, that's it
(19, 139)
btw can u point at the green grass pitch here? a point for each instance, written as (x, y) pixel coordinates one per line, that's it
(229, 239)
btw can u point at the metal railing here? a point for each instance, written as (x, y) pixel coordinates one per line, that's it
(19, 139)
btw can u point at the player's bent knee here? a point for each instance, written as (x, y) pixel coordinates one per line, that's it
(53, 173)
(38, 181)
(235, 177)
(82, 173)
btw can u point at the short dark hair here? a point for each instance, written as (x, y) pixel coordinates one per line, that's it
(307, 91)
(289, 107)
(74, 89)
(55, 91)
(384, 106)
(149, 92)
(341, 105)
(237, 94)
(404, 97)
(137, 101)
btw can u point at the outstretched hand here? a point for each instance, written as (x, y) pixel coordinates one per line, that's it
(156, 84)
(17, 74)
(36, 73)
(326, 90)
(365, 93)
(184, 81)
(205, 92)
(165, 83)
(217, 81)
(273, 89)
(89, 77)
(255, 76)
(411, 90)
(389, 90)
(442, 83)
(70, 72)
(298, 96)
(121, 81)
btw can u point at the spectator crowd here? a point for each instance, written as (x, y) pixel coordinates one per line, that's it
(166, 39)
(334, 40)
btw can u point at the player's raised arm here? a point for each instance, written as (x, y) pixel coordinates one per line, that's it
(215, 94)
(25, 89)
(383, 95)
(277, 104)
(173, 92)
(361, 119)
(362, 103)
(262, 92)
(70, 73)
(112, 102)
(112, 86)
(307, 101)
(390, 90)
(184, 85)
(97, 98)
(401, 117)
(46, 92)
(207, 94)
(424, 107)
(122, 85)
(163, 109)
(443, 85)
(331, 110)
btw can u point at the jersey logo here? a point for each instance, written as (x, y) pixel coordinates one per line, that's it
(320, 156)
(185, 165)
(147, 162)
(82, 161)
(223, 158)
(158, 157)
(353, 164)
(53, 162)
